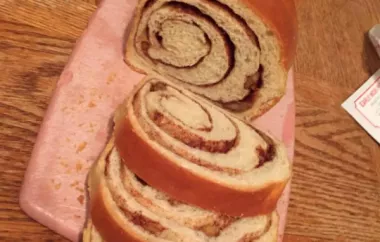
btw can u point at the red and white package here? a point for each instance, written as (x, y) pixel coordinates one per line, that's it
(374, 35)
(364, 106)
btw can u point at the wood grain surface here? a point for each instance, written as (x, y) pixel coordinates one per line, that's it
(336, 184)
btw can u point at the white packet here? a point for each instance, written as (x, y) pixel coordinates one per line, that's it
(364, 106)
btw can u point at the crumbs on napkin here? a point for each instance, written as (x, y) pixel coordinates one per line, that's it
(56, 185)
(81, 146)
(78, 166)
(75, 183)
(80, 199)
(91, 104)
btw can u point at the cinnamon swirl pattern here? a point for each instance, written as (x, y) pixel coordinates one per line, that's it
(220, 49)
(125, 208)
(167, 135)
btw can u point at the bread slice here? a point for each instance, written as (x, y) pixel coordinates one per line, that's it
(197, 153)
(90, 234)
(234, 52)
(124, 208)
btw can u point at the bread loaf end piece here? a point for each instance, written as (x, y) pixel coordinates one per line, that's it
(235, 53)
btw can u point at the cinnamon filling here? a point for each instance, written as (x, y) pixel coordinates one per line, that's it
(214, 229)
(252, 83)
(265, 155)
(158, 86)
(141, 181)
(148, 224)
(242, 105)
(268, 154)
(190, 139)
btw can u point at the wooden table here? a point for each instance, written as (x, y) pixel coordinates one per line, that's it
(335, 194)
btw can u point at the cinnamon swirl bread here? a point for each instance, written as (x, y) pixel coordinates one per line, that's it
(125, 208)
(234, 52)
(198, 153)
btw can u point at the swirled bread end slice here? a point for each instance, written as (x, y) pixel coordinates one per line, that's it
(235, 53)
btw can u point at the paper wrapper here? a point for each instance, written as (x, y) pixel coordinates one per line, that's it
(364, 106)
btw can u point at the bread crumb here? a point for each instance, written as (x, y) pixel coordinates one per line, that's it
(64, 164)
(93, 92)
(57, 186)
(91, 104)
(80, 199)
(91, 130)
(81, 99)
(79, 189)
(81, 146)
(68, 140)
(74, 183)
(111, 78)
(79, 166)
(68, 171)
